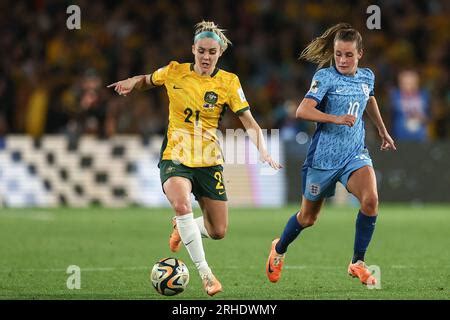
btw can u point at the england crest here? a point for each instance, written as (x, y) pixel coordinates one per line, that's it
(365, 89)
(314, 189)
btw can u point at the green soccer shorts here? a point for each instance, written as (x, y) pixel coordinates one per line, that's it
(206, 181)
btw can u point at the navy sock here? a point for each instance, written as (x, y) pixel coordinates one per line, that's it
(290, 232)
(365, 225)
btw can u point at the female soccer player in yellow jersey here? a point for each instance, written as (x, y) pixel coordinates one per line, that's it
(191, 158)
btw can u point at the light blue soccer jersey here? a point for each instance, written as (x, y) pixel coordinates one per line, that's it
(334, 145)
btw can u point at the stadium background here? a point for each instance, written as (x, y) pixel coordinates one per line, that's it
(53, 83)
(67, 141)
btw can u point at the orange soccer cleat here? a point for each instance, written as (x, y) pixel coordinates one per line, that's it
(359, 270)
(274, 263)
(175, 239)
(211, 284)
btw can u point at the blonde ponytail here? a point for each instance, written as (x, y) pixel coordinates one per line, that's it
(210, 26)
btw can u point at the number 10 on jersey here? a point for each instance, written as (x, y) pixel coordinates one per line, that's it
(353, 108)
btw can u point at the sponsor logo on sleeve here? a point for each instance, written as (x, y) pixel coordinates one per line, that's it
(241, 95)
(314, 86)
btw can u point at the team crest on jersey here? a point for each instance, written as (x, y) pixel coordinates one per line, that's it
(365, 89)
(314, 189)
(211, 99)
(314, 86)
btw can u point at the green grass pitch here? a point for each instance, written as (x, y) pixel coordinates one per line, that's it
(116, 249)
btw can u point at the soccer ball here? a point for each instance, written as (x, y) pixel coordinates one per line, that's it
(169, 276)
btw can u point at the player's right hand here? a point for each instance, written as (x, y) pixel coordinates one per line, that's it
(266, 158)
(346, 120)
(123, 87)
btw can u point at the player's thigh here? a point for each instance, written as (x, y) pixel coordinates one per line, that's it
(209, 190)
(178, 190)
(215, 215)
(362, 183)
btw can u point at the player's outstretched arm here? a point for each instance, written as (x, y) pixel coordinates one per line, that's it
(255, 133)
(307, 111)
(124, 87)
(387, 143)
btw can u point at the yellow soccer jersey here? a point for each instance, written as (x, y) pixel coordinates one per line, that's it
(196, 105)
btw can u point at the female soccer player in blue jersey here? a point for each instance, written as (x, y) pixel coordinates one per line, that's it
(336, 100)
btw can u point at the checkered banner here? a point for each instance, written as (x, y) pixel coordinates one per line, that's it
(122, 171)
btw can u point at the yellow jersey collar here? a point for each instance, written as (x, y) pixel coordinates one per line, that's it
(212, 74)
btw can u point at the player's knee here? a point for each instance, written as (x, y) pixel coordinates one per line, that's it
(218, 233)
(181, 207)
(307, 220)
(369, 205)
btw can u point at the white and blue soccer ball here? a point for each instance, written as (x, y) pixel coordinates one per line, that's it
(169, 276)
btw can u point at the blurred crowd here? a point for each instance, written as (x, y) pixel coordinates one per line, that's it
(53, 80)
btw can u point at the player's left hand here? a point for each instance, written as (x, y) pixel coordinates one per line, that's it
(266, 158)
(387, 143)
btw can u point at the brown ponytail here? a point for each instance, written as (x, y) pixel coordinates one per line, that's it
(321, 49)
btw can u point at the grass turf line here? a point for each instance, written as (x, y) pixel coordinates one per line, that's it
(116, 249)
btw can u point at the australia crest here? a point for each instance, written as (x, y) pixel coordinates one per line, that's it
(210, 99)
